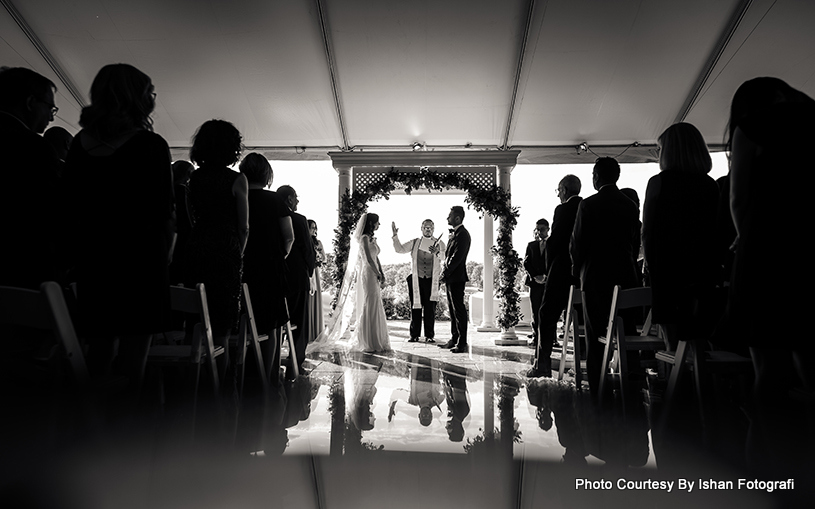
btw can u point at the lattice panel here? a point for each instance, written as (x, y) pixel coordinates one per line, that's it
(481, 177)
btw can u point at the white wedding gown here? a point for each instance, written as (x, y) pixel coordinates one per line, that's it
(371, 332)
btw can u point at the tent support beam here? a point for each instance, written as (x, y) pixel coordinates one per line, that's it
(332, 72)
(519, 67)
(44, 53)
(718, 50)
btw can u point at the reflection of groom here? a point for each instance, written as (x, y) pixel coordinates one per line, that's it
(426, 255)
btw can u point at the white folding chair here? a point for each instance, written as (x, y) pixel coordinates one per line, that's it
(572, 330)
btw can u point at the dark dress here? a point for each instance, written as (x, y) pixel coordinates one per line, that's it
(121, 207)
(764, 292)
(679, 238)
(214, 248)
(264, 265)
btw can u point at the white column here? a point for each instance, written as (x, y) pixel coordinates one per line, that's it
(504, 181)
(344, 185)
(487, 306)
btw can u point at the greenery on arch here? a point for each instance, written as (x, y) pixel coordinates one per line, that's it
(494, 201)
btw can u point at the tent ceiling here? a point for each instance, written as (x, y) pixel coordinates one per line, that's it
(542, 76)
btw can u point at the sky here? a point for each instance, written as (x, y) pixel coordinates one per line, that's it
(533, 189)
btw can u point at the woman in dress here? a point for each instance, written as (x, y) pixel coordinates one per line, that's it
(679, 219)
(360, 294)
(122, 217)
(771, 181)
(264, 266)
(220, 213)
(314, 304)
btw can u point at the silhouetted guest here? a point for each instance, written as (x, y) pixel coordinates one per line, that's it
(679, 232)
(314, 303)
(559, 277)
(220, 215)
(604, 239)
(119, 181)
(638, 257)
(28, 205)
(725, 233)
(59, 139)
(182, 170)
(535, 267)
(264, 265)
(769, 124)
(300, 267)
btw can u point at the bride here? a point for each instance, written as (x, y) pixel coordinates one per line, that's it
(361, 295)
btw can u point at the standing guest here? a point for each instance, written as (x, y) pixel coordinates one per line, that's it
(300, 267)
(426, 253)
(123, 220)
(60, 140)
(535, 267)
(28, 209)
(604, 238)
(769, 121)
(455, 278)
(182, 170)
(679, 236)
(639, 260)
(314, 304)
(219, 210)
(264, 265)
(559, 277)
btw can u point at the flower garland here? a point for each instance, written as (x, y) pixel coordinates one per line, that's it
(494, 201)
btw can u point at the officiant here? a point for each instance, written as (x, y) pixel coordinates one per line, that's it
(427, 254)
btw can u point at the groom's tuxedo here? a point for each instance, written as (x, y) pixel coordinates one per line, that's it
(455, 277)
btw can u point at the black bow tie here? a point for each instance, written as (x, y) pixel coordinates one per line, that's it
(452, 230)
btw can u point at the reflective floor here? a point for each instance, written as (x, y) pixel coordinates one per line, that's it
(417, 426)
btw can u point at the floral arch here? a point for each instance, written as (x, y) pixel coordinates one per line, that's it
(493, 200)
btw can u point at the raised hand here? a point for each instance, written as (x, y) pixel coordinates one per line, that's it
(394, 228)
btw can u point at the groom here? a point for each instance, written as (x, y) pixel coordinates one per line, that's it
(455, 277)
(423, 282)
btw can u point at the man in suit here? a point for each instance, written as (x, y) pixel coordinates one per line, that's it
(604, 238)
(535, 267)
(300, 267)
(455, 277)
(559, 277)
(423, 281)
(30, 168)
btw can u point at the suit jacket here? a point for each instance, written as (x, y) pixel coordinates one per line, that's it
(605, 234)
(455, 265)
(302, 259)
(29, 212)
(534, 262)
(557, 246)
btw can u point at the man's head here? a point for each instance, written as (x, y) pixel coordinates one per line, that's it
(425, 416)
(567, 187)
(456, 215)
(427, 228)
(182, 170)
(59, 138)
(542, 229)
(289, 196)
(28, 96)
(606, 171)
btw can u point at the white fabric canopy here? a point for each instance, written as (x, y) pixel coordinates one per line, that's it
(302, 77)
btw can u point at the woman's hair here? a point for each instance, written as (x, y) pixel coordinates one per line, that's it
(122, 99)
(682, 148)
(257, 169)
(217, 143)
(311, 223)
(370, 221)
(756, 94)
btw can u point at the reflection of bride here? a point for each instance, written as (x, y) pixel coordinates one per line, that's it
(360, 294)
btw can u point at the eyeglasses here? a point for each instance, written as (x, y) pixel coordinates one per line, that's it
(53, 107)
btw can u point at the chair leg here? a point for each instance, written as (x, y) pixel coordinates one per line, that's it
(259, 362)
(673, 381)
(604, 366)
(292, 352)
(566, 334)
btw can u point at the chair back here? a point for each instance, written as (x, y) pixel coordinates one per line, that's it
(638, 297)
(194, 301)
(45, 309)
